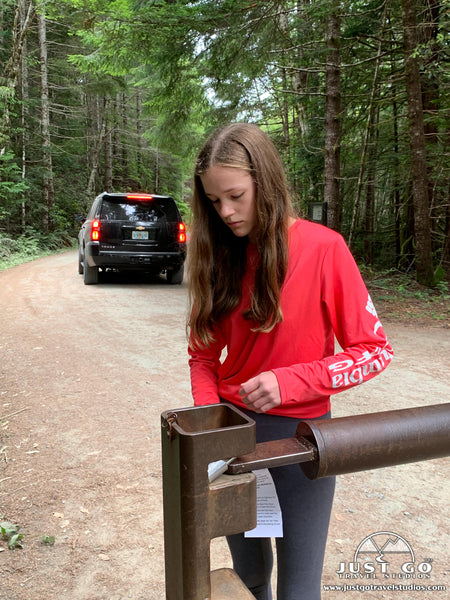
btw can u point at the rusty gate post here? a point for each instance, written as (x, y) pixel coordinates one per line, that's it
(196, 511)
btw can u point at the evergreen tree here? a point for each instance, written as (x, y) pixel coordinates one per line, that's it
(134, 86)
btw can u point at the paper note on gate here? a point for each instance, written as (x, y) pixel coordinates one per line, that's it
(269, 520)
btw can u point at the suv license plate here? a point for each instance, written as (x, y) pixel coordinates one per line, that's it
(139, 235)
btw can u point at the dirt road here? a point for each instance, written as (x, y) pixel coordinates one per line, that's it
(85, 372)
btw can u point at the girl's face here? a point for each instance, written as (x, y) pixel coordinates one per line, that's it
(232, 192)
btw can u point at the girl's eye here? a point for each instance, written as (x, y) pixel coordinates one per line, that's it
(237, 196)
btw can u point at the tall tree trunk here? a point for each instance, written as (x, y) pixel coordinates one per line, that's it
(396, 209)
(294, 79)
(430, 102)
(108, 162)
(446, 244)
(125, 157)
(47, 183)
(419, 174)
(23, 9)
(369, 122)
(108, 150)
(285, 116)
(95, 163)
(333, 124)
(284, 112)
(369, 219)
(157, 170)
(117, 170)
(139, 132)
(95, 134)
(11, 69)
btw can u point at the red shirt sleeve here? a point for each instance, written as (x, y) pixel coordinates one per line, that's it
(365, 348)
(204, 365)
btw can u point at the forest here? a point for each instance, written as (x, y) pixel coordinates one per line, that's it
(118, 95)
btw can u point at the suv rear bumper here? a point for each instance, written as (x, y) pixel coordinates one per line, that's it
(121, 259)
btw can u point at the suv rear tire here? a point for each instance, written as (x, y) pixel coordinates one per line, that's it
(175, 277)
(80, 262)
(90, 275)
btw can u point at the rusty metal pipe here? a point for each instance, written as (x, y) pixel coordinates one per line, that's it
(372, 441)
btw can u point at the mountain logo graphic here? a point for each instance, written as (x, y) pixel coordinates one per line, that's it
(382, 543)
(384, 554)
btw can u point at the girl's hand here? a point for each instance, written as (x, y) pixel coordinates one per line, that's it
(261, 393)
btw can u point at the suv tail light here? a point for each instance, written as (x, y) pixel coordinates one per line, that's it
(181, 232)
(95, 231)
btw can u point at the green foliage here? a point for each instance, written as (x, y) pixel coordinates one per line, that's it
(48, 540)
(146, 80)
(440, 282)
(25, 246)
(30, 245)
(404, 298)
(10, 533)
(11, 182)
(6, 93)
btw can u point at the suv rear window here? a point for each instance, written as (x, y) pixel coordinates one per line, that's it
(138, 210)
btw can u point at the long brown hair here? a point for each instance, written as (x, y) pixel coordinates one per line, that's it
(217, 258)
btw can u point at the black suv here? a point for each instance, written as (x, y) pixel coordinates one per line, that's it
(133, 232)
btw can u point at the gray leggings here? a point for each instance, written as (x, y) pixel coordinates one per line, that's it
(306, 507)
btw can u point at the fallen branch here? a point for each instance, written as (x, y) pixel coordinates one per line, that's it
(14, 413)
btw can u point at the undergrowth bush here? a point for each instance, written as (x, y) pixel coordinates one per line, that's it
(29, 245)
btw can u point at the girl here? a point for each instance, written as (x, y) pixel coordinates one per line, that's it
(274, 290)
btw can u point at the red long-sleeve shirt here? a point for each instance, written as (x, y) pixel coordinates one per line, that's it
(323, 296)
